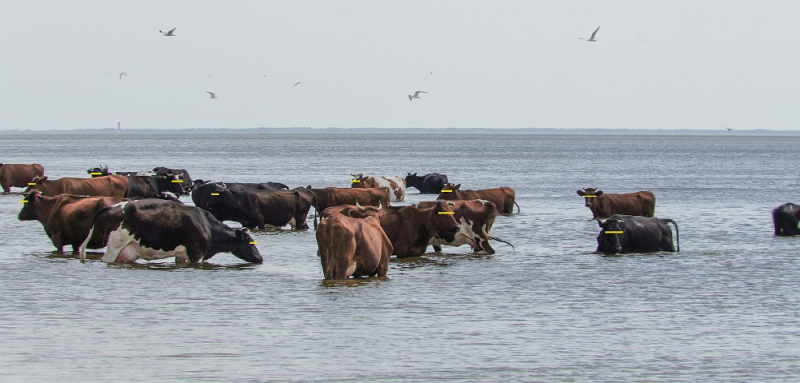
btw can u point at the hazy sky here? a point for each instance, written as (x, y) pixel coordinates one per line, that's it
(503, 64)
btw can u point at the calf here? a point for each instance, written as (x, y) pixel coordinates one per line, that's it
(786, 219)
(503, 197)
(154, 229)
(642, 203)
(66, 218)
(396, 185)
(635, 234)
(18, 175)
(353, 246)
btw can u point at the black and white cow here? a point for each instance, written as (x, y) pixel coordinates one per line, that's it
(635, 234)
(182, 173)
(786, 219)
(428, 184)
(153, 229)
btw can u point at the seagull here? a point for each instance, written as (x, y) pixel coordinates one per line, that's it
(297, 83)
(416, 95)
(123, 73)
(593, 34)
(168, 33)
(212, 95)
(729, 129)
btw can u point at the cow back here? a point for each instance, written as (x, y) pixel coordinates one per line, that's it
(18, 175)
(642, 203)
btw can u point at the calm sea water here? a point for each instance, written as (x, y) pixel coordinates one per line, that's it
(726, 308)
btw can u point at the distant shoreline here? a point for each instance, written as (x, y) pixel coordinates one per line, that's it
(379, 131)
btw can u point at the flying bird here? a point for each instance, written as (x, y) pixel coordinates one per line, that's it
(297, 83)
(729, 129)
(212, 95)
(593, 34)
(168, 33)
(416, 95)
(123, 73)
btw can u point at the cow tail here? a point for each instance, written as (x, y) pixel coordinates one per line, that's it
(86, 241)
(677, 235)
(316, 209)
(518, 209)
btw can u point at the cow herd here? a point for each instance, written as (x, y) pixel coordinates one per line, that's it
(138, 215)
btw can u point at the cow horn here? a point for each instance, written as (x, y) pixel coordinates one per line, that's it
(486, 234)
(360, 208)
(451, 203)
(380, 205)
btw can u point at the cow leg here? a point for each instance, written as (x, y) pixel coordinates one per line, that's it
(437, 248)
(300, 222)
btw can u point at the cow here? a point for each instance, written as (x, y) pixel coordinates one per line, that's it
(324, 198)
(153, 229)
(786, 219)
(244, 186)
(108, 186)
(503, 197)
(408, 227)
(182, 173)
(475, 219)
(153, 186)
(431, 183)
(18, 175)
(636, 234)
(353, 246)
(256, 208)
(642, 203)
(66, 218)
(396, 185)
(102, 171)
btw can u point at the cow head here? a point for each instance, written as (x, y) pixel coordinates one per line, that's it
(369, 211)
(445, 221)
(37, 180)
(245, 248)
(611, 238)
(99, 171)
(450, 192)
(174, 183)
(28, 212)
(357, 181)
(413, 180)
(589, 195)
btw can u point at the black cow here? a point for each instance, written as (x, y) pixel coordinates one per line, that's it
(182, 173)
(153, 186)
(786, 219)
(635, 234)
(154, 229)
(102, 171)
(255, 208)
(428, 184)
(202, 190)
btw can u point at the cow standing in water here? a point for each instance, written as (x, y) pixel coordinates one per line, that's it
(475, 219)
(786, 219)
(602, 205)
(108, 186)
(635, 234)
(18, 175)
(396, 185)
(353, 245)
(432, 183)
(503, 197)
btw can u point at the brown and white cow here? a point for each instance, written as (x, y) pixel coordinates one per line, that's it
(408, 227)
(108, 186)
(503, 197)
(475, 219)
(18, 175)
(353, 246)
(330, 196)
(602, 205)
(67, 218)
(396, 185)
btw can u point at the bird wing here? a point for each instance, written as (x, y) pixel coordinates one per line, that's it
(169, 32)
(212, 94)
(594, 33)
(416, 94)
(120, 75)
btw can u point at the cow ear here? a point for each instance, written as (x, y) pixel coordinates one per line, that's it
(1, 164)
(458, 187)
(415, 174)
(44, 178)
(598, 193)
(600, 223)
(581, 193)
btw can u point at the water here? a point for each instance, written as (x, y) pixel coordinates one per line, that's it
(723, 309)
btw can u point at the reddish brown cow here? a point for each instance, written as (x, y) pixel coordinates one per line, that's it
(67, 218)
(108, 186)
(327, 197)
(396, 185)
(18, 175)
(475, 219)
(408, 227)
(641, 203)
(353, 246)
(503, 197)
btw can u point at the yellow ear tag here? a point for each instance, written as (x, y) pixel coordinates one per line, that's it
(214, 193)
(177, 181)
(355, 181)
(24, 201)
(446, 212)
(446, 191)
(96, 174)
(614, 232)
(253, 243)
(31, 183)
(589, 196)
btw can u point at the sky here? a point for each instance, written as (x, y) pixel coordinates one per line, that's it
(488, 64)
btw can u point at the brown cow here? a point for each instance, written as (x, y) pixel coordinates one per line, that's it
(18, 175)
(67, 218)
(503, 197)
(327, 197)
(475, 219)
(411, 228)
(353, 246)
(641, 203)
(108, 186)
(396, 185)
